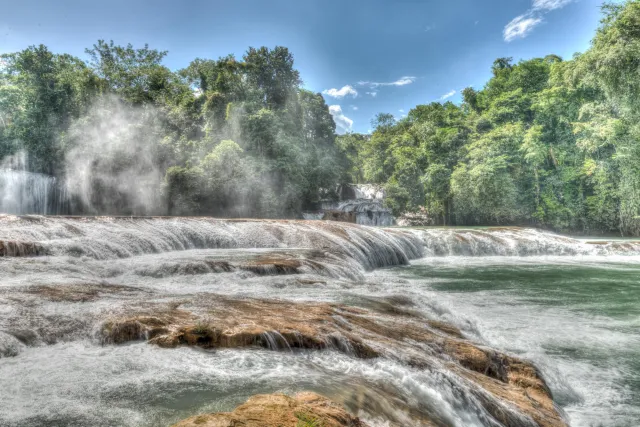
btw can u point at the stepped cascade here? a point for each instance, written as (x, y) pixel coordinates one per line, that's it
(214, 310)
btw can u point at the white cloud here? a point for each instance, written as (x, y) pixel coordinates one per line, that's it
(343, 123)
(402, 81)
(342, 92)
(401, 110)
(373, 93)
(521, 26)
(448, 95)
(550, 4)
(354, 108)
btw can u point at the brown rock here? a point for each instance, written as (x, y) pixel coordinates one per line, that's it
(278, 410)
(75, 293)
(393, 334)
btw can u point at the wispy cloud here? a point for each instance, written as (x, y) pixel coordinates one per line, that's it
(372, 94)
(401, 110)
(550, 4)
(402, 81)
(343, 123)
(448, 95)
(354, 108)
(522, 25)
(341, 93)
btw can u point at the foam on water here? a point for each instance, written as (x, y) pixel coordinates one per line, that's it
(587, 349)
(67, 376)
(515, 242)
(105, 238)
(140, 385)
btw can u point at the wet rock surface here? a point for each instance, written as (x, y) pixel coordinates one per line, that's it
(305, 409)
(228, 289)
(397, 334)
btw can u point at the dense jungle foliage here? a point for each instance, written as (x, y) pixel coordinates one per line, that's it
(547, 142)
(229, 137)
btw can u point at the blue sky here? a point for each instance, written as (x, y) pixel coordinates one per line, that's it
(366, 56)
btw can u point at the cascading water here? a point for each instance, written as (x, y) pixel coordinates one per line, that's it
(515, 242)
(23, 192)
(66, 278)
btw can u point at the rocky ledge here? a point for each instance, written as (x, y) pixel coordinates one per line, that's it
(510, 389)
(278, 410)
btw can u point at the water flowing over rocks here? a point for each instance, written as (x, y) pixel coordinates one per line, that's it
(514, 241)
(300, 291)
(279, 410)
(120, 237)
(358, 203)
(492, 377)
(367, 212)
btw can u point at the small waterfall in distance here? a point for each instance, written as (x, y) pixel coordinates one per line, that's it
(23, 192)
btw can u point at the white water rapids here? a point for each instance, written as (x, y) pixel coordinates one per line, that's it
(55, 371)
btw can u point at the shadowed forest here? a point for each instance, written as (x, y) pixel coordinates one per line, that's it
(547, 142)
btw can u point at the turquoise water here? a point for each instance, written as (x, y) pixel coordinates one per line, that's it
(578, 318)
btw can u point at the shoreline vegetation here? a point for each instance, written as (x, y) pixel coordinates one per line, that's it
(547, 142)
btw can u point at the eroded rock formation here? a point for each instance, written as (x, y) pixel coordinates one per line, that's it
(398, 334)
(278, 410)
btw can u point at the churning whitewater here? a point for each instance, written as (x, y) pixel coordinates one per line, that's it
(146, 321)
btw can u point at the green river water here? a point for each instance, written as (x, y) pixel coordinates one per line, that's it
(577, 318)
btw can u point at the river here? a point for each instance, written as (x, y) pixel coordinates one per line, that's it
(576, 317)
(569, 306)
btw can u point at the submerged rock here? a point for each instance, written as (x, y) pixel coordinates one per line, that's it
(278, 410)
(13, 248)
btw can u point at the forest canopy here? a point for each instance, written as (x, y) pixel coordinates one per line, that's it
(232, 137)
(546, 142)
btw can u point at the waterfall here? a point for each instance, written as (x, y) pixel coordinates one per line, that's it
(361, 248)
(365, 248)
(514, 241)
(23, 192)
